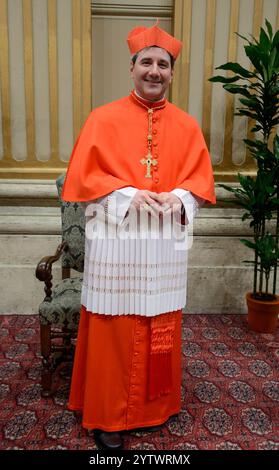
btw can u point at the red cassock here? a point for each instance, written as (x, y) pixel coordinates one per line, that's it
(111, 375)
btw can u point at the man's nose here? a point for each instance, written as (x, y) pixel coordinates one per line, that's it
(154, 69)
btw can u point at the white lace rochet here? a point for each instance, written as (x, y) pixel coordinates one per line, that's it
(134, 270)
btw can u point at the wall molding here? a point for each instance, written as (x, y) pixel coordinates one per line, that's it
(130, 9)
(32, 207)
(35, 188)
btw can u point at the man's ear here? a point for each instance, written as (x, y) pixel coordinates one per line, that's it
(131, 67)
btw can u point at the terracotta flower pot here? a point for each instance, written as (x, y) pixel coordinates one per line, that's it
(262, 315)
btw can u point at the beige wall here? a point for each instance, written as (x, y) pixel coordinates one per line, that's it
(61, 58)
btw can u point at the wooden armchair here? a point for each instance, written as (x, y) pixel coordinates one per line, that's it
(59, 312)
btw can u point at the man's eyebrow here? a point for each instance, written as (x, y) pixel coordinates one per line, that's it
(149, 58)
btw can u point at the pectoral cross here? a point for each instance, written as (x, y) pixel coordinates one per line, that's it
(148, 161)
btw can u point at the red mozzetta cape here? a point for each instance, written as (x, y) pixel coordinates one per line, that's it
(113, 140)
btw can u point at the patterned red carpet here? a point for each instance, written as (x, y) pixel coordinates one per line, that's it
(230, 391)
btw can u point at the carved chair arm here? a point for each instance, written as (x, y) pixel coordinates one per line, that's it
(44, 269)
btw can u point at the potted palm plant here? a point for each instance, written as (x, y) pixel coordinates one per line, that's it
(258, 196)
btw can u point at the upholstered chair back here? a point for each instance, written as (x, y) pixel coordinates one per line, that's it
(73, 230)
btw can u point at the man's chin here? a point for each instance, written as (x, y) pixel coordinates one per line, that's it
(153, 95)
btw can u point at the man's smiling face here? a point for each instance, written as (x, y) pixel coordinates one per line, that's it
(152, 73)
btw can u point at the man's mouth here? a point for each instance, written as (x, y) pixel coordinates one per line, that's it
(154, 83)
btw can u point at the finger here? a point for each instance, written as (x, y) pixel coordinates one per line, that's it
(176, 209)
(159, 198)
(157, 208)
(150, 199)
(144, 205)
(154, 205)
(154, 213)
(149, 210)
(155, 196)
(167, 212)
(165, 206)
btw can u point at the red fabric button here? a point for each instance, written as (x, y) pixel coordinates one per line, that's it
(156, 180)
(155, 131)
(155, 144)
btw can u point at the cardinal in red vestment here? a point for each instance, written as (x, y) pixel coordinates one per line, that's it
(147, 154)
